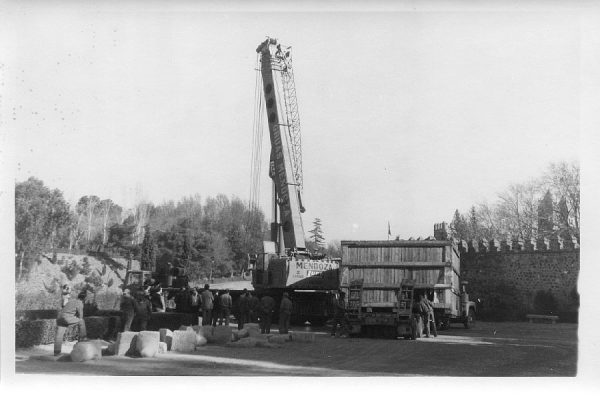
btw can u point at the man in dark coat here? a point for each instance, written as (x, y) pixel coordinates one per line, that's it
(244, 305)
(267, 304)
(225, 307)
(254, 304)
(143, 311)
(128, 309)
(339, 312)
(206, 303)
(216, 308)
(285, 312)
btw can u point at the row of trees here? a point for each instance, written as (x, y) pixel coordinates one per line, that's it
(545, 206)
(206, 238)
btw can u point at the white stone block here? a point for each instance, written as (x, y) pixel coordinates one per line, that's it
(147, 343)
(252, 328)
(86, 350)
(243, 343)
(200, 341)
(279, 339)
(162, 347)
(302, 336)
(125, 343)
(183, 341)
(221, 335)
(166, 336)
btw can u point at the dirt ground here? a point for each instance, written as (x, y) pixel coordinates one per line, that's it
(489, 349)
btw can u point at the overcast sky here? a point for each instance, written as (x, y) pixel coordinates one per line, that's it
(406, 116)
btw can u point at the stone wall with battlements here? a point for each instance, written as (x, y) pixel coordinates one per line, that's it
(510, 273)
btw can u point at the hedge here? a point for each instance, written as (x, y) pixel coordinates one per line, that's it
(42, 331)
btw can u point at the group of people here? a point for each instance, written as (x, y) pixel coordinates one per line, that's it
(216, 309)
(137, 309)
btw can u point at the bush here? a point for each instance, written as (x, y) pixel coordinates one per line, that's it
(86, 267)
(34, 332)
(500, 302)
(72, 269)
(544, 303)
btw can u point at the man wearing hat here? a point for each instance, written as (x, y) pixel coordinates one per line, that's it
(70, 314)
(206, 302)
(244, 305)
(285, 312)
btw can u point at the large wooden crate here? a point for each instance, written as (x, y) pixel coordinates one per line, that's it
(383, 265)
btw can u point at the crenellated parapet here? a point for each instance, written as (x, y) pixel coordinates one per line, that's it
(555, 243)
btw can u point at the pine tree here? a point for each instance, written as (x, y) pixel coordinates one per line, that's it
(148, 257)
(459, 228)
(545, 215)
(473, 224)
(317, 234)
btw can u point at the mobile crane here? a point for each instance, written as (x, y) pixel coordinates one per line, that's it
(285, 264)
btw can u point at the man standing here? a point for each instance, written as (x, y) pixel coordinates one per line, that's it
(206, 301)
(66, 295)
(143, 311)
(285, 312)
(70, 314)
(267, 304)
(428, 316)
(254, 304)
(339, 312)
(244, 304)
(194, 302)
(128, 309)
(226, 304)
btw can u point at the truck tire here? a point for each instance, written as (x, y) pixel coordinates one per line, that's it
(470, 319)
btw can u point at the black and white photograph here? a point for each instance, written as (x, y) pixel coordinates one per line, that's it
(259, 191)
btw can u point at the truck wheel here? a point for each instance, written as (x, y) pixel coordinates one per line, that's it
(470, 319)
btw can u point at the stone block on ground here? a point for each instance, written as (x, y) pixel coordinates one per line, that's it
(86, 350)
(279, 338)
(221, 335)
(203, 330)
(125, 343)
(183, 341)
(243, 343)
(207, 330)
(200, 340)
(147, 343)
(239, 334)
(267, 345)
(166, 336)
(162, 347)
(302, 336)
(252, 328)
(186, 328)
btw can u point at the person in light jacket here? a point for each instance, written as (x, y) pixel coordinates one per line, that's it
(70, 314)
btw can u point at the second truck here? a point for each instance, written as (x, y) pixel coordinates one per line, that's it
(384, 280)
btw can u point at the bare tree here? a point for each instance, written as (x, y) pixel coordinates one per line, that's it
(562, 179)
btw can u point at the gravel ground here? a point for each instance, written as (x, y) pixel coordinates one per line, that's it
(490, 349)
